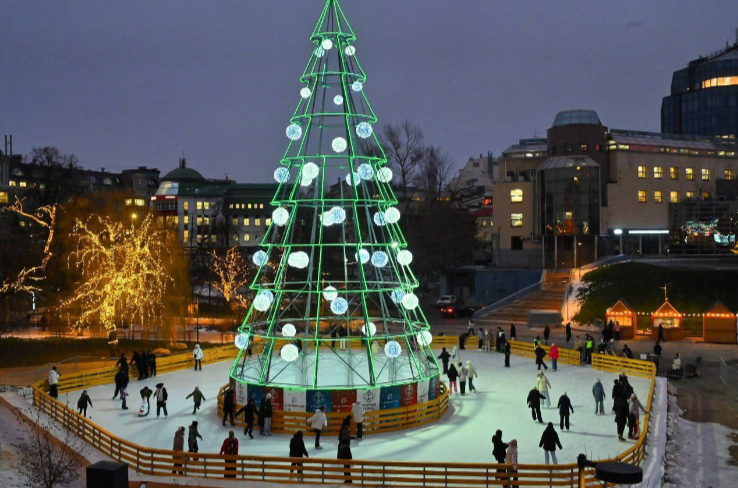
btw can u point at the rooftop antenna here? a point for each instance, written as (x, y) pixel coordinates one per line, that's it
(666, 296)
(535, 133)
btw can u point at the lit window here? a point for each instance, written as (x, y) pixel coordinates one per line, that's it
(199, 204)
(674, 197)
(516, 196)
(584, 147)
(234, 221)
(140, 202)
(568, 215)
(657, 196)
(641, 171)
(129, 202)
(186, 235)
(516, 220)
(705, 174)
(249, 206)
(206, 205)
(199, 221)
(246, 221)
(246, 237)
(658, 172)
(3, 197)
(705, 195)
(257, 221)
(268, 222)
(261, 206)
(207, 221)
(230, 206)
(690, 196)
(728, 174)
(689, 172)
(720, 81)
(186, 206)
(674, 173)
(12, 183)
(199, 238)
(642, 196)
(186, 220)
(235, 237)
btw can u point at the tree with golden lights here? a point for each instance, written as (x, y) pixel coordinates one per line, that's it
(124, 274)
(232, 276)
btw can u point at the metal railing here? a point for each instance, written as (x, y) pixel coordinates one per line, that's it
(511, 298)
(729, 378)
(20, 380)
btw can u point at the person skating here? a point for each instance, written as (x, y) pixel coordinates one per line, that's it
(549, 442)
(266, 413)
(135, 360)
(318, 422)
(676, 365)
(452, 374)
(342, 334)
(229, 405)
(543, 385)
(470, 374)
(546, 334)
(598, 392)
(455, 355)
(462, 378)
(198, 356)
(657, 354)
(161, 399)
(121, 381)
(444, 357)
(462, 340)
(568, 332)
(540, 354)
(537, 342)
(511, 458)
(634, 404)
(230, 448)
(145, 393)
(480, 339)
(554, 357)
(499, 448)
(344, 445)
(152, 364)
(82, 403)
(616, 331)
(501, 341)
(621, 415)
(617, 392)
(197, 398)
(144, 361)
(297, 450)
(248, 411)
(122, 362)
(54, 376)
(178, 446)
(534, 402)
(487, 340)
(565, 409)
(192, 436)
(627, 389)
(513, 332)
(123, 396)
(357, 411)
(507, 354)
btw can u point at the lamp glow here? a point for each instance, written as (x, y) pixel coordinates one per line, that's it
(305, 182)
(338, 214)
(306, 92)
(294, 132)
(339, 144)
(384, 175)
(289, 353)
(281, 175)
(327, 219)
(404, 257)
(424, 338)
(310, 170)
(365, 171)
(327, 44)
(372, 329)
(350, 50)
(379, 219)
(410, 301)
(391, 215)
(260, 258)
(352, 179)
(357, 86)
(339, 306)
(363, 255)
(392, 349)
(319, 52)
(288, 330)
(338, 100)
(263, 300)
(380, 259)
(242, 340)
(396, 296)
(298, 260)
(280, 216)
(330, 293)
(364, 130)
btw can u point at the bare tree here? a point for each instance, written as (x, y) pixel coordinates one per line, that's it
(436, 169)
(54, 175)
(48, 452)
(403, 145)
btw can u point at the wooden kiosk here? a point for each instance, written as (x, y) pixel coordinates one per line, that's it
(670, 319)
(624, 314)
(719, 325)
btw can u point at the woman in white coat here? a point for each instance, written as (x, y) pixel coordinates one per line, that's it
(543, 385)
(198, 355)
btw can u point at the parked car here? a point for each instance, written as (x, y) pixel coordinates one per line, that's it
(458, 310)
(446, 300)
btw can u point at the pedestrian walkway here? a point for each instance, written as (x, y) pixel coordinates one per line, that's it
(549, 297)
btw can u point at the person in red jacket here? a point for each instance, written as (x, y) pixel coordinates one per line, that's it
(230, 448)
(554, 356)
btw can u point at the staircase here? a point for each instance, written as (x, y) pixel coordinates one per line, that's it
(549, 297)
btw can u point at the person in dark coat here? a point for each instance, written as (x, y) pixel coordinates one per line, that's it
(122, 362)
(161, 399)
(229, 405)
(621, 415)
(135, 360)
(453, 375)
(192, 436)
(297, 450)
(627, 389)
(627, 352)
(499, 448)
(617, 392)
(248, 411)
(598, 392)
(661, 333)
(534, 402)
(230, 448)
(507, 354)
(549, 441)
(540, 354)
(144, 359)
(344, 445)
(152, 364)
(657, 354)
(146, 393)
(565, 409)
(120, 377)
(513, 332)
(568, 331)
(82, 403)
(546, 334)
(462, 340)
(266, 414)
(197, 397)
(444, 357)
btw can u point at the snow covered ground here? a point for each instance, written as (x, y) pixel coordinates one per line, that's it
(462, 435)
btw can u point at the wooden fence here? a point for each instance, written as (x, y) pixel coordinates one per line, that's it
(284, 470)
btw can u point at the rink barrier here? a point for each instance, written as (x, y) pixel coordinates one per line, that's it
(162, 462)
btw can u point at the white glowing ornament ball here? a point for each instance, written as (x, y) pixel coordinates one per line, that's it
(327, 44)
(339, 144)
(424, 338)
(364, 130)
(338, 100)
(365, 171)
(410, 301)
(281, 175)
(372, 329)
(288, 330)
(404, 257)
(350, 50)
(384, 175)
(379, 219)
(380, 259)
(310, 171)
(280, 216)
(242, 340)
(357, 86)
(294, 132)
(306, 92)
(263, 300)
(339, 306)
(392, 349)
(289, 353)
(305, 182)
(391, 215)
(397, 295)
(319, 52)
(352, 179)
(338, 215)
(327, 219)
(298, 259)
(259, 258)
(330, 293)
(364, 256)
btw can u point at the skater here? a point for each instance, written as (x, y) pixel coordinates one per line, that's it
(657, 354)
(342, 334)
(470, 326)
(192, 436)
(122, 362)
(297, 450)
(455, 355)
(568, 332)
(627, 389)
(344, 446)
(357, 411)
(248, 411)
(540, 354)
(462, 378)
(135, 360)
(334, 335)
(123, 396)
(554, 357)
(627, 352)
(462, 340)
(178, 446)
(513, 333)
(197, 355)
(82, 403)
(534, 402)
(661, 333)
(546, 334)
(266, 414)
(633, 420)
(598, 392)
(487, 340)
(511, 458)
(161, 399)
(499, 448)
(121, 381)
(501, 341)
(444, 357)
(676, 366)
(543, 385)
(318, 422)
(144, 362)
(507, 354)
(230, 448)
(452, 374)
(565, 409)
(621, 415)
(229, 405)
(549, 441)
(54, 382)
(616, 330)
(617, 392)
(470, 374)
(152, 364)
(480, 338)
(537, 342)
(145, 393)
(197, 397)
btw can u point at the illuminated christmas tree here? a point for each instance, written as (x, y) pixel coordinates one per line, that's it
(339, 312)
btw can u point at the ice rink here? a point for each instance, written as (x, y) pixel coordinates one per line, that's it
(462, 435)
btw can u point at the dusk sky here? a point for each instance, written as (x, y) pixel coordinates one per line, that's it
(135, 82)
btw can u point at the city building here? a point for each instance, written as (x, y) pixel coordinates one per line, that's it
(212, 213)
(704, 97)
(587, 191)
